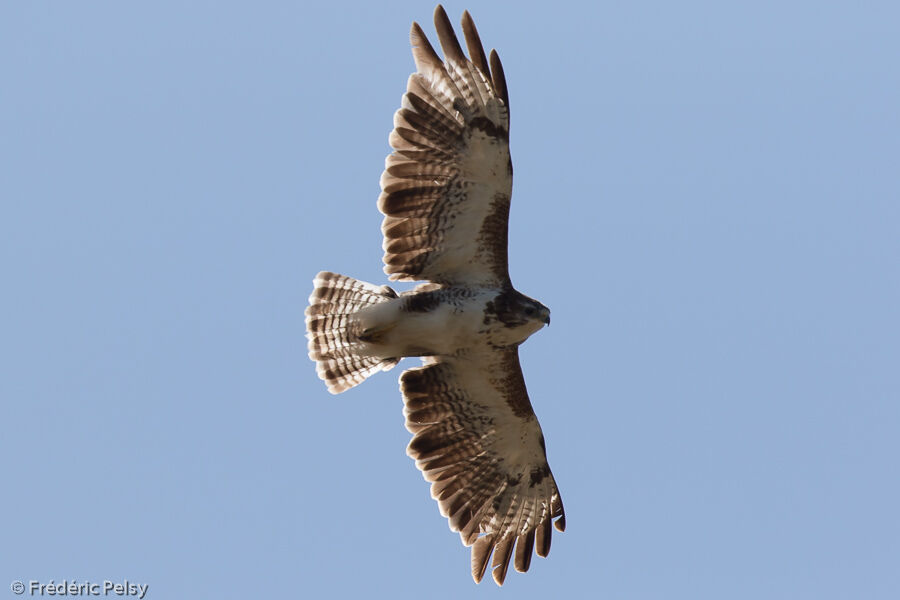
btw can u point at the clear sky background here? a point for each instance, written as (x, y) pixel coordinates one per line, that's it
(707, 196)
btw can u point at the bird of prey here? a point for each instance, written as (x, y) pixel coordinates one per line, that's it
(445, 198)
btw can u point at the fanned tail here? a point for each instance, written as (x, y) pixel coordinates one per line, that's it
(334, 331)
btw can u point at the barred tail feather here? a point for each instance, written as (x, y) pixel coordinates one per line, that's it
(333, 330)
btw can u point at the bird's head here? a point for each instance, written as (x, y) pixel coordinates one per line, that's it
(517, 315)
(534, 311)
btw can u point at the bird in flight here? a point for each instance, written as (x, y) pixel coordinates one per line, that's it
(445, 197)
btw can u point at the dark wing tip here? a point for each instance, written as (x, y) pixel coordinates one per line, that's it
(449, 43)
(499, 78)
(500, 563)
(473, 44)
(558, 511)
(524, 550)
(543, 537)
(425, 57)
(560, 523)
(481, 552)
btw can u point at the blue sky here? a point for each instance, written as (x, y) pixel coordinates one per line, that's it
(707, 196)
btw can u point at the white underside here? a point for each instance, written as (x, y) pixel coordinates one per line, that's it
(445, 330)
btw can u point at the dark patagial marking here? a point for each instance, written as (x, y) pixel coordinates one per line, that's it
(494, 235)
(422, 302)
(512, 385)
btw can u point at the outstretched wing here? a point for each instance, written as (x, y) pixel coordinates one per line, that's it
(478, 441)
(446, 188)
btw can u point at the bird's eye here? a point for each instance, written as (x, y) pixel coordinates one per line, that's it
(529, 311)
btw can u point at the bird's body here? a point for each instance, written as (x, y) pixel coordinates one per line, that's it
(442, 322)
(438, 322)
(446, 193)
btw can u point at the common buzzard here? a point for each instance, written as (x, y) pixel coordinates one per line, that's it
(445, 199)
